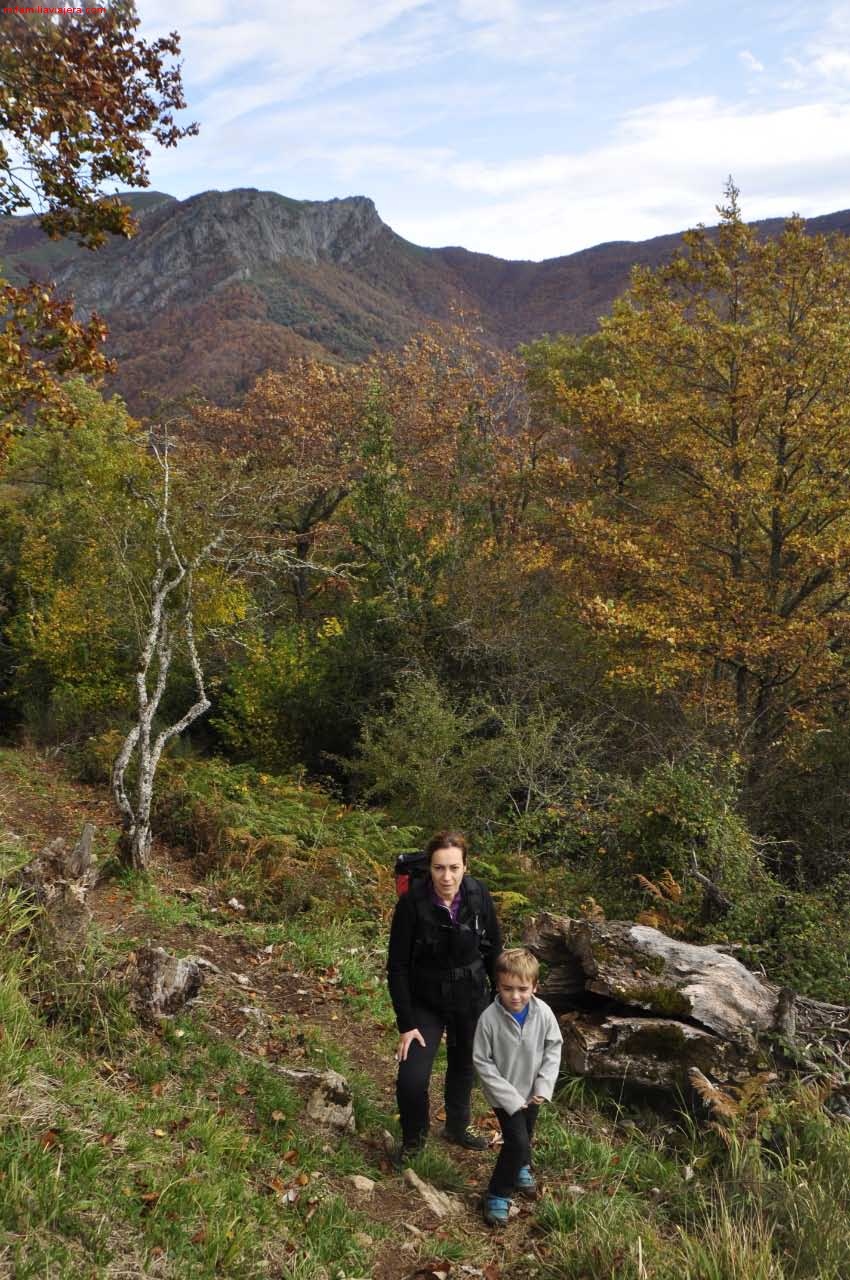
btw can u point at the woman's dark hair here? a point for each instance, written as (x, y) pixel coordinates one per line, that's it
(447, 840)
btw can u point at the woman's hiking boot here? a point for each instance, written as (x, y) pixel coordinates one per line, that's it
(466, 1137)
(407, 1151)
(497, 1210)
(526, 1183)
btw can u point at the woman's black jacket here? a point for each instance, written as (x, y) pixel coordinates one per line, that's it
(434, 962)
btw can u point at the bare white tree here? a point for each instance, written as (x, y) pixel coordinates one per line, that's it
(170, 622)
(242, 542)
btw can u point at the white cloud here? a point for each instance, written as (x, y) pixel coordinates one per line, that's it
(294, 41)
(834, 64)
(750, 61)
(443, 111)
(665, 171)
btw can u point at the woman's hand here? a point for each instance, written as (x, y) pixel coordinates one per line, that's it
(406, 1040)
(536, 1099)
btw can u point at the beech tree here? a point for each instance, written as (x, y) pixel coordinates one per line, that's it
(703, 489)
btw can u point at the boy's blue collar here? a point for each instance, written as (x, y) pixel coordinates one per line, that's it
(498, 1001)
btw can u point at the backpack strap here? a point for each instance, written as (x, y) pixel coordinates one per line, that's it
(473, 890)
(475, 902)
(419, 895)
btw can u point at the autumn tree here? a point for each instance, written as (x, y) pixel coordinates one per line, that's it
(465, 432)
(703, 488)
(300, 424)
(80, 95)
(68, 488)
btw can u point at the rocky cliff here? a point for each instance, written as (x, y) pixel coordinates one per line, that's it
(185, 248)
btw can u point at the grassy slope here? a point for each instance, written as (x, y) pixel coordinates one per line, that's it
(182, 1152)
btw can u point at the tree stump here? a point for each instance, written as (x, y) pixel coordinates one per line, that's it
(58, 881)
(161, 984)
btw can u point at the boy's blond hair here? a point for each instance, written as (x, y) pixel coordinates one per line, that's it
(519, 963)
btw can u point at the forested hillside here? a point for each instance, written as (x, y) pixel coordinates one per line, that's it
(214, 290)
(587, 599)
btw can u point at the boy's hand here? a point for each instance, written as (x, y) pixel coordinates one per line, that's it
(405, 1041)
(537, 1099)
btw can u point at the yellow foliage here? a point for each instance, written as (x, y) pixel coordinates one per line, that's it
(705, 507)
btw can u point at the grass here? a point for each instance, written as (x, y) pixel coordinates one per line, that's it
(181, 1152)
(186, 1150)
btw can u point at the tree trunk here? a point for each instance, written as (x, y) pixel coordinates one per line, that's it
(636, 1005)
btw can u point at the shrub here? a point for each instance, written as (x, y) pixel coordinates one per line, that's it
(278, 843)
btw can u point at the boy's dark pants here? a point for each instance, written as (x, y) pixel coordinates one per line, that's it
(517, 1132)
(414, 1074)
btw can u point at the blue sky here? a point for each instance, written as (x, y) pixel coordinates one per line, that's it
(522, 128)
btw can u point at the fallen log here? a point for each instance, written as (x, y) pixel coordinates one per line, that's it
(636, 1005)
(648, 1052)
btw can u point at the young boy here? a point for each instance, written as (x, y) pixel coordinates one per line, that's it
(517, 1054)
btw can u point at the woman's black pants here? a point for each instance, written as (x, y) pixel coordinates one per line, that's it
(414, 1074)
(517, 1132)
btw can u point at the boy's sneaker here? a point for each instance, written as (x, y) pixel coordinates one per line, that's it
(496, 1210)
(466, 1138)
(526, 1183)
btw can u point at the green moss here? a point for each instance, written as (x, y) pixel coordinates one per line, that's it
(660, 999)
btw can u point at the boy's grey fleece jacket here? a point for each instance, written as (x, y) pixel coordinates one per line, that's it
(516, 1063)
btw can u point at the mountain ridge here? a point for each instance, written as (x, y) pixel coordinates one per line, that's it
(218, 287)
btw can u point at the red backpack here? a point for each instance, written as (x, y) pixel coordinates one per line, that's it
(408, 868)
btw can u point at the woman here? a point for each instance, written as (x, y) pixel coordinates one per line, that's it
(444, 941)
